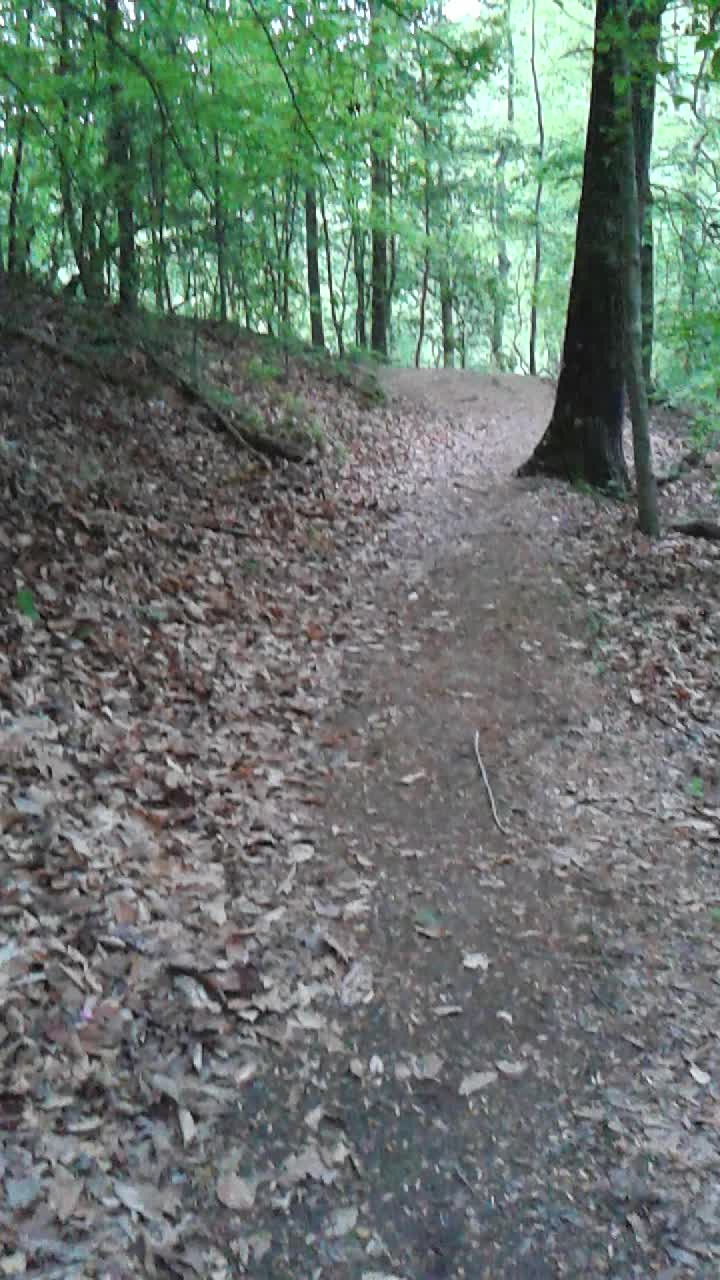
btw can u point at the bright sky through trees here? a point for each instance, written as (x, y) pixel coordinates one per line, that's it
(457, 9)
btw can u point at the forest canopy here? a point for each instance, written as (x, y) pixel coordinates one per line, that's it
(367, 174)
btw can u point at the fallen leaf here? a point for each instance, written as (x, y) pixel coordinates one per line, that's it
(341, 1222)
(476, 1081)
(235, 1192)
(513, 1069)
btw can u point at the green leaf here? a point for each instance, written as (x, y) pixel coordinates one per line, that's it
(25, 603)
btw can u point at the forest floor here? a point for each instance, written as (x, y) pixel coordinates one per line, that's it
(359, 912)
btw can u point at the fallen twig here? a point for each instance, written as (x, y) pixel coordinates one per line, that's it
(698, 529)
(243, 433)
(488, 788)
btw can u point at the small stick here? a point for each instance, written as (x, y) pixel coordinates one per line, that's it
(488, 788)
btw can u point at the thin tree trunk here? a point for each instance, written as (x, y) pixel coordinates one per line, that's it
(446, 299)
(378, 200)
(120, 166)
(16, 252)
(637, 391)
(219, 226)
(393, 255)
(501, 203)
(358, 240)
(645, 26)
(313, 268)
(336, 320)
(426, 226)
(540, 153)
(379, 320)
(156, 170)
(446, 318)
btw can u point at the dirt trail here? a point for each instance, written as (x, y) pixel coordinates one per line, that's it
(284, 999)
(480, 957)
(502, 1037)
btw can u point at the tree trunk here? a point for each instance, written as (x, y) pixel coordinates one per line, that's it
(81, 232)
(637, 390)
(19, 236)
(16, 250)
(313, 268)
(337, 321)
(358, 241)
(584, 438)
(446, 318)
(219, 226)
(447, 327)
(378, 198)
(646, 26)
(120, 166)
(379, 323)
(426, 226)
(537, 261)
(501, 204)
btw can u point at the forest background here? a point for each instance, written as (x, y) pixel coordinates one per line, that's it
(375, 176)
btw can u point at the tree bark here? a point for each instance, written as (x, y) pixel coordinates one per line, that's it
(19, 236)
(537, 261)
(313, 268)
(645, 25)
(358, 245)
(637, 391)
(16, 253)
(378, 323)
(501, 203)
(336, 319)
(424, 284)
(219, 227)
(584, 438)
(378, 201)
(446, 318)
(120, 165)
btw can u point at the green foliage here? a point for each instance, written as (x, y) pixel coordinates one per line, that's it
(25, 604)
(296, 422)
(259, 372)
(696, 788)
(231, 113)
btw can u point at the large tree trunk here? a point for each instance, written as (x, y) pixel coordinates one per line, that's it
(584, 438)
(313, 268)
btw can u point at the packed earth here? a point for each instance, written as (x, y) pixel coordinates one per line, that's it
(359, 816)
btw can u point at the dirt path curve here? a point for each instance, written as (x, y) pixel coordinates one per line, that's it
(509, 1054)
(482, 1024)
